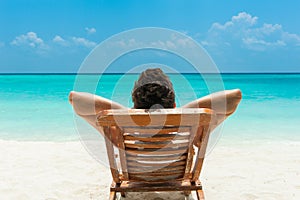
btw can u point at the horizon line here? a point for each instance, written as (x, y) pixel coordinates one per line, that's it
(121, 73)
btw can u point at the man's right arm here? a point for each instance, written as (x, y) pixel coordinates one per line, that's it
(88, 105)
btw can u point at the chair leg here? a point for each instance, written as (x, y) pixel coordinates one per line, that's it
(112, 195)
(187, 192)
(200, 194)
(123, 194)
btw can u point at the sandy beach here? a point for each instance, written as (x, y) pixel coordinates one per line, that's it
(65, 170)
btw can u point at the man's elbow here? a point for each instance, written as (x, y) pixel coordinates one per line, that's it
(71, 97)
(238, 93)
(234, 102)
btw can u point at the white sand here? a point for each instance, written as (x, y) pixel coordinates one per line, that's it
(48, 171)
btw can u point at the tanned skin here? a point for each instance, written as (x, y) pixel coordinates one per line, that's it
(87, 105)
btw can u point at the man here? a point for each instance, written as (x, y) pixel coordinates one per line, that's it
(154, 90)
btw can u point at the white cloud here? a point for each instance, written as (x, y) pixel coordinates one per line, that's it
(83, 42)
(205, 43)
(30, 39)
(59, 40)
(244, 18)
(268, 29)
(291, 38)
(185, 32)
(169, 44)
(245, 31)
(176, 41)
(90, 30)
(127, 43)
(172, 42)
(79, 41)
(260, 45)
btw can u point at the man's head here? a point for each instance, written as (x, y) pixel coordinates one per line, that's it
(153, 89)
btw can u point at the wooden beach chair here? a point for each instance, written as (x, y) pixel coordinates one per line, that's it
(161, 150)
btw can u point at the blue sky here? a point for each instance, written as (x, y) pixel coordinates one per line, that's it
(240, 36)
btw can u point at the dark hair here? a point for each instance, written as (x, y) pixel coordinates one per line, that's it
(153, 89)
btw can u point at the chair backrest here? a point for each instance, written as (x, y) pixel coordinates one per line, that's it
(156, 146)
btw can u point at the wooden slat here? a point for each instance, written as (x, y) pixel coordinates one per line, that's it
(156, 173)
(156, 142)
(146, 187)
(156, 130)
(153, 164)
(146, 134)
(158, 145)
(155, 138)
(187, 117)
(156, 178)
(149, 169)
(166, 151)
(157, 158)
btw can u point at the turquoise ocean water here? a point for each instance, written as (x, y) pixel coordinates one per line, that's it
(35, 107)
